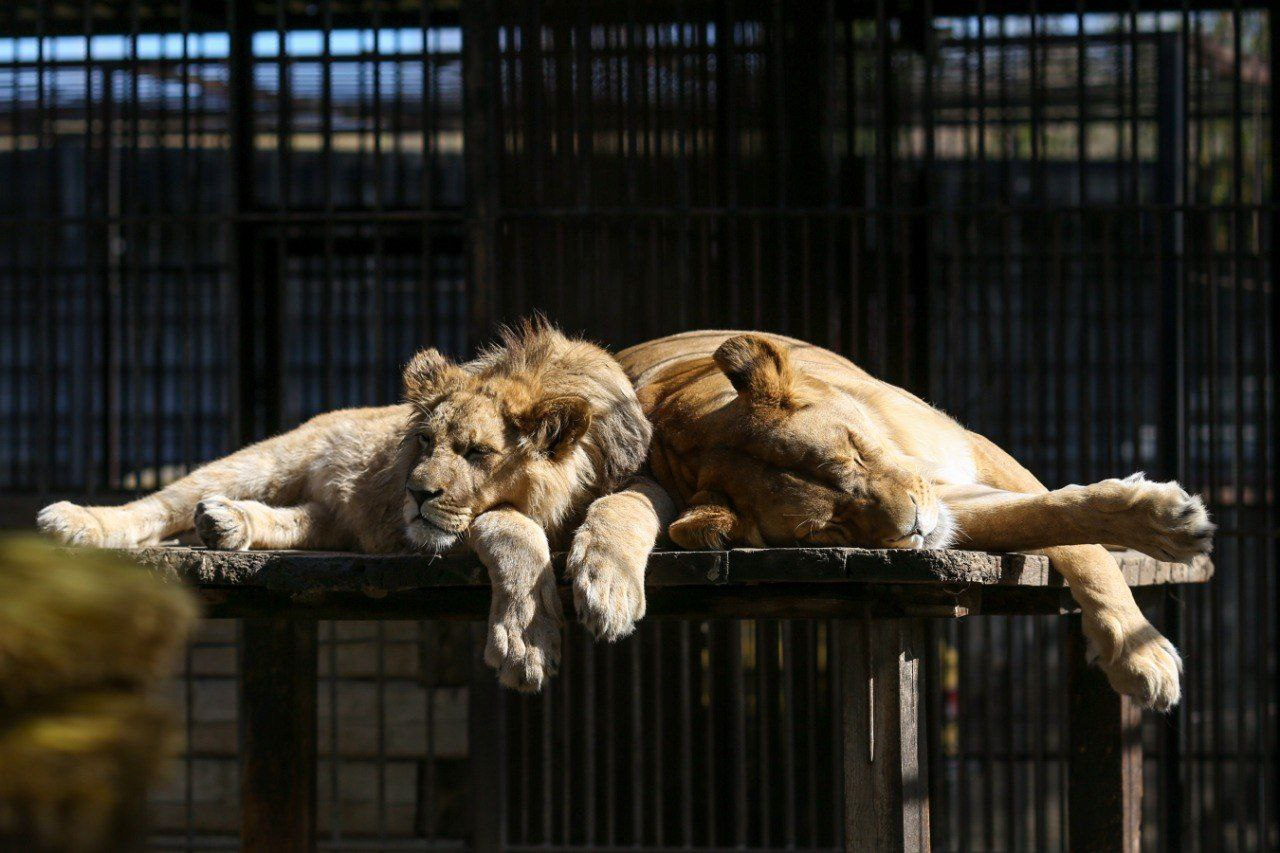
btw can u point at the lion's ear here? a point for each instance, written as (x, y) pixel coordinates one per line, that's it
(426, 374)
(711, 524)
(556, 425)
(759, 369)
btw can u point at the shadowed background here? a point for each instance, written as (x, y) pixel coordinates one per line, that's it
(223, 216)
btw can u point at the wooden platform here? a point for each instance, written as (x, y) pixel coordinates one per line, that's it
(773, 582)
(881, 599)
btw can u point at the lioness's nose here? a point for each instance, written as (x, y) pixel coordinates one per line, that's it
(915, 524)
(421, 496)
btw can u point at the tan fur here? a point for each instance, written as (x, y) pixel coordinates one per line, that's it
(761, 439)
(522, 437)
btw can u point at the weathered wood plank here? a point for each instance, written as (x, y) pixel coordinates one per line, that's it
(1105, 766)
(746, 583)
(311, 571)
(886, 786)
(278, 735)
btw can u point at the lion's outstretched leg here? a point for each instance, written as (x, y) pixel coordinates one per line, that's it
(525, 617)
(1158, 519)
(240, 525)
(609, 553)
(261, 471)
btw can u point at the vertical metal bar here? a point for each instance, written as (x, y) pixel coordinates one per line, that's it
(335, 755)
(257, 300)
(382, 379)
(1171, 133)
(481, 85)
(686, 739)
(487, 745)
(429, 650)
(47, 170)
(1272, 431)
(635, 765)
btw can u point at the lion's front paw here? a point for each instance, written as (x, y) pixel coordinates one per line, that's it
(608, 586)
(1143, 664)
(1161, 519)
(524, 639)
(222, 525)
(72, 524)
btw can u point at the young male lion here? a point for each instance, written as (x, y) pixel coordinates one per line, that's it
(506, 450)
(765, 440)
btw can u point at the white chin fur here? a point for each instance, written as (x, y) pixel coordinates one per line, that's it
(423, 534)
(944, 533)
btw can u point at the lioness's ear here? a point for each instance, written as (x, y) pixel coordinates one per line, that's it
(710, 524)
(557, 424)
(759, 369)
(425, 374)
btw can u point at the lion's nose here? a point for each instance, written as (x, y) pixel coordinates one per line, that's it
(421, 496)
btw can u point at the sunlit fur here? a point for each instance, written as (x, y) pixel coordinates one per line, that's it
(761, 439)
(503, 454)
(339, 480)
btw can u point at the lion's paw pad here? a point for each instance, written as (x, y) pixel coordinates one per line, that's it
(1172, 524)
(222, 525)
(609, 600)
(525, 656)
(1147, 668)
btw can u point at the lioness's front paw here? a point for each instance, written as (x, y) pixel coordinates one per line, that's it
(608, 586)
(222, 525)
(1143, 664)
(72, 524)
(524, 639)
(1161, 520)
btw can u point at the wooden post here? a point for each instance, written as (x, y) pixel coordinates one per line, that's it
(886, 786)
(1105, 786)
(278, 735)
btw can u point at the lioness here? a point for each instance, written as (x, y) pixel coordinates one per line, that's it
(761, 439)
(506, 450)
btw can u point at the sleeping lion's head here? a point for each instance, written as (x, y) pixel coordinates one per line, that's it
(540, 423)
(791, 460)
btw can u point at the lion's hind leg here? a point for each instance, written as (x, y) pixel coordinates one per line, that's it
(142, 522)
(231, 525)
(268, 471)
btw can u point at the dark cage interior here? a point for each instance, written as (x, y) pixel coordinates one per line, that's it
(222, 216)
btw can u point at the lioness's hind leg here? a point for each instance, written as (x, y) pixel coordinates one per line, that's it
(229, 525)
(609, 554)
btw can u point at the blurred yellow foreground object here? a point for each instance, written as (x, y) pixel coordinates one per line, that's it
(84, 637)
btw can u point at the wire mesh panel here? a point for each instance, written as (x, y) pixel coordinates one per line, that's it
(691, 735)
(1056, 222)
